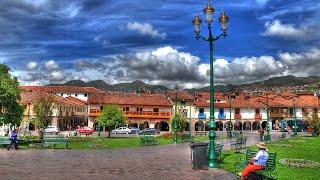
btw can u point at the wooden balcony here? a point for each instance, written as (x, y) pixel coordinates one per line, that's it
(147, 114)
(258, 116)
(279, 114)
(94, 112)
(237, 116)
(136, 114)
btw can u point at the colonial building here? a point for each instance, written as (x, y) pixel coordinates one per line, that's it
(184, 104)
(81, 93)
(68, 113)
(141, 110)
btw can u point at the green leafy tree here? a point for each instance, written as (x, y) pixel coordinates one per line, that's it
(111, 117)
(314, 122)
(11, 111)
(43, 110)
(182, 122)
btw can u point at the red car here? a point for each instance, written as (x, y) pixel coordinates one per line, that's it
(85, 130)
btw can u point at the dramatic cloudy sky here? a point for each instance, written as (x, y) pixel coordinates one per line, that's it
(52, 41)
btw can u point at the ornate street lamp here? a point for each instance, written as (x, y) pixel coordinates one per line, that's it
(295, 117)
(175, 119)
(208, 13)
(229, 133)
(267, 137)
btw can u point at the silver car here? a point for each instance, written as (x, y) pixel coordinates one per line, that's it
(121, 130)
(52, 129)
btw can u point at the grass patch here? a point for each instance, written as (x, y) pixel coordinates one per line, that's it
(307, 149)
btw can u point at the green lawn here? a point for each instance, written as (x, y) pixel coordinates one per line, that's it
(117, 142)
(309, 149)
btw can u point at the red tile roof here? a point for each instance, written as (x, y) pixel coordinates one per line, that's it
(130, 99)
(180, 95)
(32, 97)
(62, 89)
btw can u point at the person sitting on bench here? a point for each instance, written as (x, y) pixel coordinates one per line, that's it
(258, 162)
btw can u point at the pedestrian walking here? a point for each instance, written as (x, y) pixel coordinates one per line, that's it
(261, 132)
(13, 140)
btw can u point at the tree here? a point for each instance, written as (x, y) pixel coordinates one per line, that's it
(182, 122)
(111, 117)
(11, 111)
(314, 122)
(43, 110)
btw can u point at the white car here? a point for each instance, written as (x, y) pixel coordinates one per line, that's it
(52, 129)
(121, 130)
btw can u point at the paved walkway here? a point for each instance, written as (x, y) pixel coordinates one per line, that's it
(158, 162)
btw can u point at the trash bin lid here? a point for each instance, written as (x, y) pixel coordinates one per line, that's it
(199, 144)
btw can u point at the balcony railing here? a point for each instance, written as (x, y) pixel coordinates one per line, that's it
(279, 114)
(147, 114)
(142, 114)
(258, 116)
(202, 116)
(237, 116)
(222, 116)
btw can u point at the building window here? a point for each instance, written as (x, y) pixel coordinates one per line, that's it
(101, 108)
(257, 111)
(201, 110)
(76, 95)
(183, 103)
(155, 109)
(61, 94)
(237, 111)
(85, 95)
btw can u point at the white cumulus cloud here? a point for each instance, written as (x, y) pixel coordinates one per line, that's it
(145, 29)
(31, 66)
(51, 65)
(287, 31)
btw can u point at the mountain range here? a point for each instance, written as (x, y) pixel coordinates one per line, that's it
(274, 83)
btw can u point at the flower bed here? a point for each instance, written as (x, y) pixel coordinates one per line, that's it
(98, 146)
(282, 145)
(299, 163)
(299, 140)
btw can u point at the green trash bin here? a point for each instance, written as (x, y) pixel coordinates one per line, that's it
(199, 153)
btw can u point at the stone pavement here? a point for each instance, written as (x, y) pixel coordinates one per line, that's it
(160, 162)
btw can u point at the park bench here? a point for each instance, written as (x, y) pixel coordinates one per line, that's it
(186, 138)
(4, 141)
(239, 143)
(54, 140)
(148, 140)
(218, 149)
(267, 173)
(236, 134)
(201, 133)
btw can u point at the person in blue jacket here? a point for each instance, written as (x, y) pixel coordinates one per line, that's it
(13, 140)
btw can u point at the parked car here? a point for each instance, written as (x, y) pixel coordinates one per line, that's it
(134, 130)
(85, 130)
(52, 129)
(151, 131)
(121, 130)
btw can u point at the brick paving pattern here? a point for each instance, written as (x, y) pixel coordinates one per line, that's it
(159, 162)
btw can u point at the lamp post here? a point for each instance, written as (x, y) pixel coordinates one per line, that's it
(295, 117)
(208, 13)
(175, 119)
(268, 138)
(229, 135)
